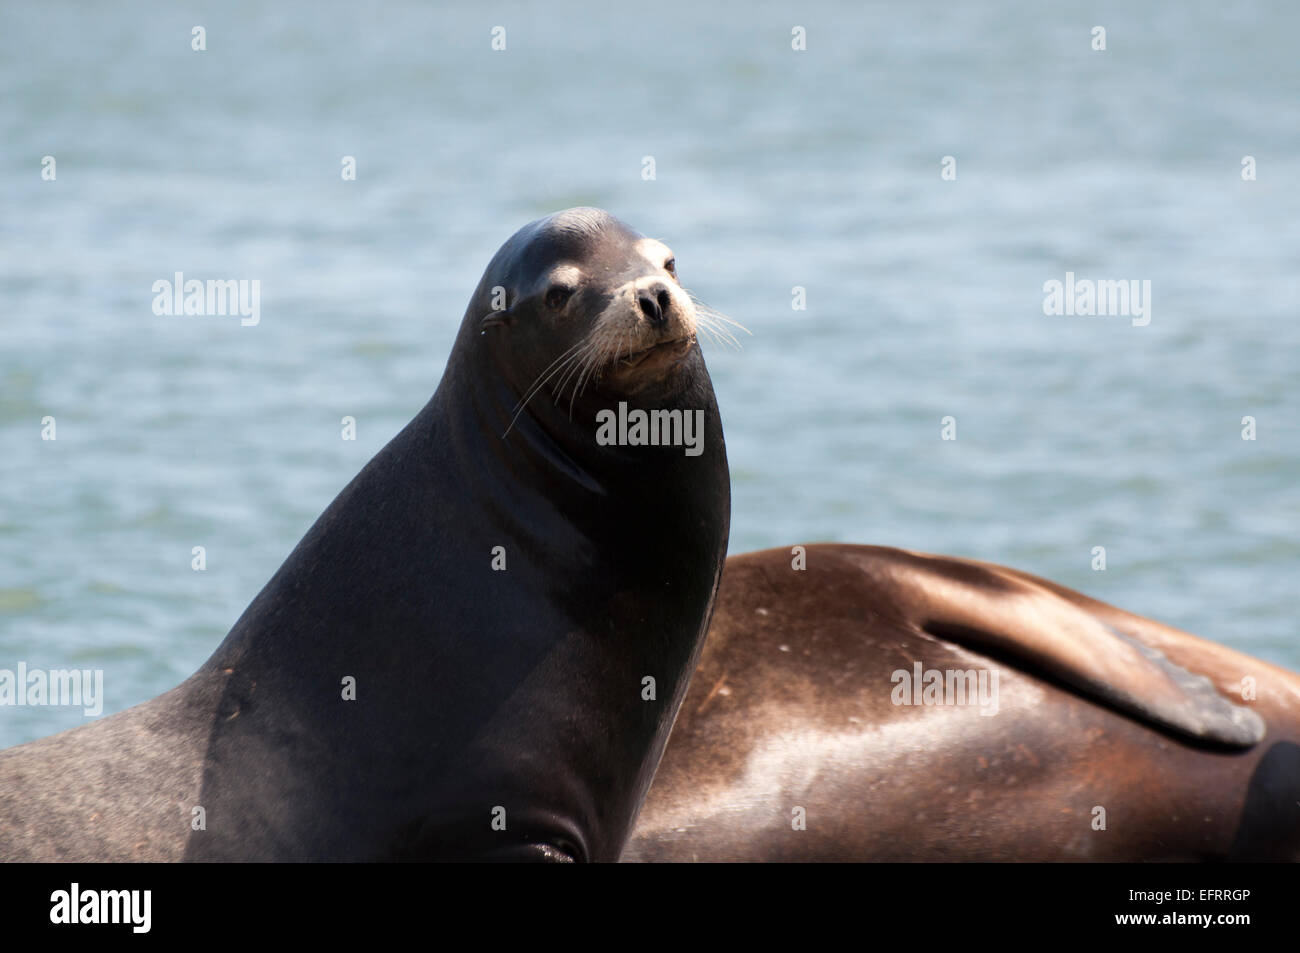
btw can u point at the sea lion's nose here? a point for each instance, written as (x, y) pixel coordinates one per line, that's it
(655, 302)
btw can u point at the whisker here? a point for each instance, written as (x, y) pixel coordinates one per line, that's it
(582, 370)
(721, 320)
(709, 333)
(575, 374)
(550, 371)
(541, 381)
(719, 325)
(574, 368)
(607, 357)
(718, 315)
(713, 312)
(544, 374)
(722, 334)
(520, 409)
(580, 386)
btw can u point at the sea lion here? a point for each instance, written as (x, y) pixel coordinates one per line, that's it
(807, 733)
(477, 650)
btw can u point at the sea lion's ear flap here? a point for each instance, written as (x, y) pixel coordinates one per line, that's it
(495, 319)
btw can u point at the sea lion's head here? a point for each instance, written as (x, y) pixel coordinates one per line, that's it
(579, 303)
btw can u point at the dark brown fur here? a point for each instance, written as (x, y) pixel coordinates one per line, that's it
(791, 707)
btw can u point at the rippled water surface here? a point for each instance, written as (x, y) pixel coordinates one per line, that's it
(774, 169)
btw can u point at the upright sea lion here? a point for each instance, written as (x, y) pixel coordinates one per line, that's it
(814, 728)
(497, 588)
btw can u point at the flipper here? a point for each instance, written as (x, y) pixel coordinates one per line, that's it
(982, 607)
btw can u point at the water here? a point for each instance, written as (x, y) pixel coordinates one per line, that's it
(774, 169)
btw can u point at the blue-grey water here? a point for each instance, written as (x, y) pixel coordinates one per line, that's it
(774, 169)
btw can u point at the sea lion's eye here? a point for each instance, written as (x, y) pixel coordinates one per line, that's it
(670, 266)
(557, 295)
